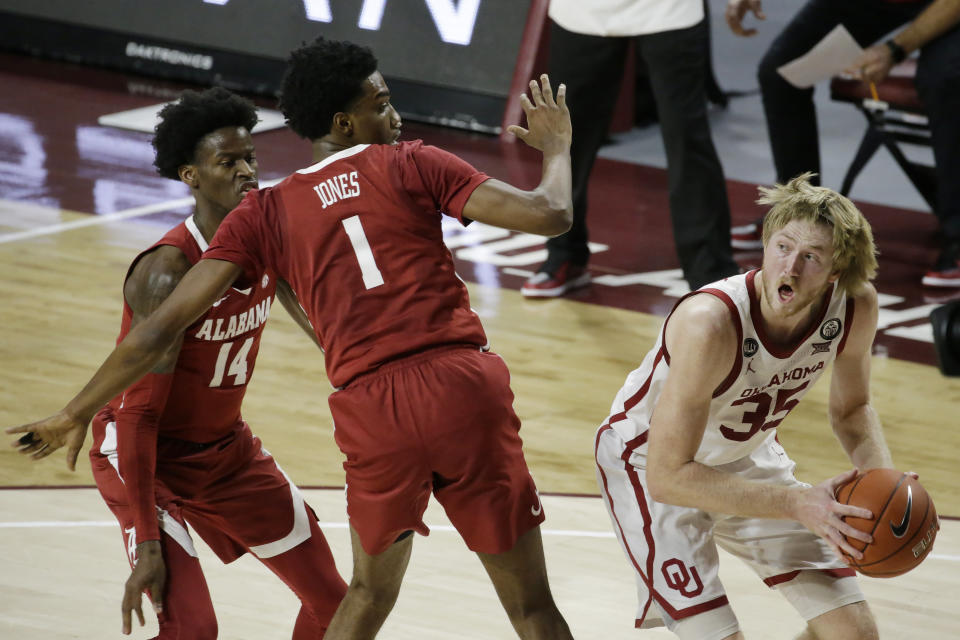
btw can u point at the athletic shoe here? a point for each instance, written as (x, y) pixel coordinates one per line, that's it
(567, 277)
(747, 237)
(946, 270)
(949, 277)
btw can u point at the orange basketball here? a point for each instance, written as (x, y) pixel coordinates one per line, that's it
(904, 525)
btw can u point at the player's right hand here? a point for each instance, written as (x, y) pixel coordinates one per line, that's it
(548, 119)
(40, 439)
(150, 575)
(818, 510)
(737, 9)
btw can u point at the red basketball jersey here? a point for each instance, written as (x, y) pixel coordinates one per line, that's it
(358, 237)
(218, 352)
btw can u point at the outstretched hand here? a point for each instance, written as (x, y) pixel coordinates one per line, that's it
(150, 575)
(40, 439)
(818, 510)
(548, 119)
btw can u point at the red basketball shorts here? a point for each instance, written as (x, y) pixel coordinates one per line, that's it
(232, 493)
(442, 422)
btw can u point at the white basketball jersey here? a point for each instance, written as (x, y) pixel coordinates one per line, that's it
(764, 384)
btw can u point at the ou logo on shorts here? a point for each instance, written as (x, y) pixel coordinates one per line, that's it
(678, 577)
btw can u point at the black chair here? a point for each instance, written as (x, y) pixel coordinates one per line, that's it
(894, 118)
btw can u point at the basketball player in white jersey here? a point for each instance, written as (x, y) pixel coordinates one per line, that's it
(689, 460)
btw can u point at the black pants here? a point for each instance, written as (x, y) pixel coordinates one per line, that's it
(792, 121)
(592, 67)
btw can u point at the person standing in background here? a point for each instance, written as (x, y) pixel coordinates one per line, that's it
(589, 42)
(931, 26)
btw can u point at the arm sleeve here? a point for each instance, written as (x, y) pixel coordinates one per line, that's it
(137, 421)
(241, 238)
(447, 179)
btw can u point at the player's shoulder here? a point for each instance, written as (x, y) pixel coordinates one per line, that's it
(155, 274)
(701, 333)
(165, 260)
(704, 312)
(418, 149)
(865, 306)
(865, 296)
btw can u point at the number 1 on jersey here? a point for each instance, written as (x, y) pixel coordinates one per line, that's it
(368, 266)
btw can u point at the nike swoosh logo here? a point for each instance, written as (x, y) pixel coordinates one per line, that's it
(901, 529)
(538, 509)
(217, 303)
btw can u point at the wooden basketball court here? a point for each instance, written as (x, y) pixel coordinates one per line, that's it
(78, 201)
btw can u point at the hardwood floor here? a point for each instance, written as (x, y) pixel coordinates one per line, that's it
(78, 202)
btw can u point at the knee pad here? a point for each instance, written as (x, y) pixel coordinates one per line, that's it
(715, 624)
(813, 593)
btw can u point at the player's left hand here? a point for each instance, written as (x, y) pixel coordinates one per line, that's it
(873, 65)
(150, 575)
(818, 510)
(40, 439)
(548, 118)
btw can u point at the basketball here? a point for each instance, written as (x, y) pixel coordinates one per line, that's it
(904, 526)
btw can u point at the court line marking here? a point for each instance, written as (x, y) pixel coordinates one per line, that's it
(572, 533)
(106, 218)
(94, 220)
(43, 524)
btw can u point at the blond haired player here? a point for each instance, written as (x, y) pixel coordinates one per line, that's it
(688, 459)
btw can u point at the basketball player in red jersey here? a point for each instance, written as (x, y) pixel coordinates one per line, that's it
(422, 406)
(689, 461)
(173, 447)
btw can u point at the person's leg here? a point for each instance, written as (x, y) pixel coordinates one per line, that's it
(187, 608)
(243, 502)
(591, 67)
(310, 572)
(483, 483)
(792, 559)
(698, 194)
(520, 579)
(373, 590)
(790, 114)
(851, 622)
(670, 548)
(938, 84)
(833, 606)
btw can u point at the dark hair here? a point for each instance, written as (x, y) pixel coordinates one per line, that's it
(184, 123)
(322, 79)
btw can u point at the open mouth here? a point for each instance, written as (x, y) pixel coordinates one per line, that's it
(785, 293)
(247, 186)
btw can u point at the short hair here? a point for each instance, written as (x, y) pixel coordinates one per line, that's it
(321, 80)
(184, 123)
(854, 253)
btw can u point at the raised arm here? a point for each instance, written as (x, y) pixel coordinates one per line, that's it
(854, 420)
(702, 343)
(137, 354)
(548, 209)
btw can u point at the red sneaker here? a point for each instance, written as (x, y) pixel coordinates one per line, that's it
(949, 277)
(545, 285)
(747, 237)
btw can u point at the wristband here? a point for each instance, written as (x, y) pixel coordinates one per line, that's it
(897, 54)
